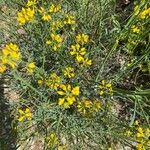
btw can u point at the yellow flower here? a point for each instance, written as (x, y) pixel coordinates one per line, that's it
(105, 88)
(88, 107)
(135, 29)
(57, 38)
(128, 133)
(66, 102)
(142, 137)
(70, 100)
(41, 10)
(139, 146)
(145, 13)
(76, 91)
(56, 25)
(10, 48)
(85, 62)
(136, 122)
(55, 8)
(68, 94)
(69, 72)
(21, 19)
(25, 15)
(140, 133)
(56, 41)
(96, 105)
(84, 106)
(48, 42)
(10, 55)
(74, 49)
(82, 38)
(52, 140)
(41, 81)
(53, 81)
(31, 2)
(31, 67)
(69, 19)
(78, 51)
(61, 101)
(26, 114)
(140, 130)
(79, 58)
(2, 68)
(29, 13)
(46, 17)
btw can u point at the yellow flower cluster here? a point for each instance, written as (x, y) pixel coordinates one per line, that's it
(88, 107)
(105, 88)
(69, 95)
(55, 8)
(82, 39)
(139, 27)
(31, 3)
(135, 29)
(53, 81)
(56, 41)
(141, 134)
(56, 25)
(10, 56)
(145, 13)
(2, 68)
(41, 81)
(79, 52)
(31, 67)
(52, 140)
(69, 20)
(25, 15)
(142, 137)
(69, 72)
(24, 114)
(46, 14)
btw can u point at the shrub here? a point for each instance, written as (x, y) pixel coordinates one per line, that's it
(62, 61)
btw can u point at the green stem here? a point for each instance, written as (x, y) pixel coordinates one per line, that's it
(129, 92)
(106, 58)
(18, 77)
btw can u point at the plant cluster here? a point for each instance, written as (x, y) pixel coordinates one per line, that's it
(61, 67)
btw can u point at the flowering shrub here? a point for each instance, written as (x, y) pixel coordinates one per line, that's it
(10, 55)
(62, 69)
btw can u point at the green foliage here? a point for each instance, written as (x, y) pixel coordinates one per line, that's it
(81, 73)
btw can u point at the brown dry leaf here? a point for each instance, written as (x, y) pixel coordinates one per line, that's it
(11, 95)
(3, 8)
(37, 145)
(21, 31)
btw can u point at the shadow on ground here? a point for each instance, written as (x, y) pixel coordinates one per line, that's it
(7, 133)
